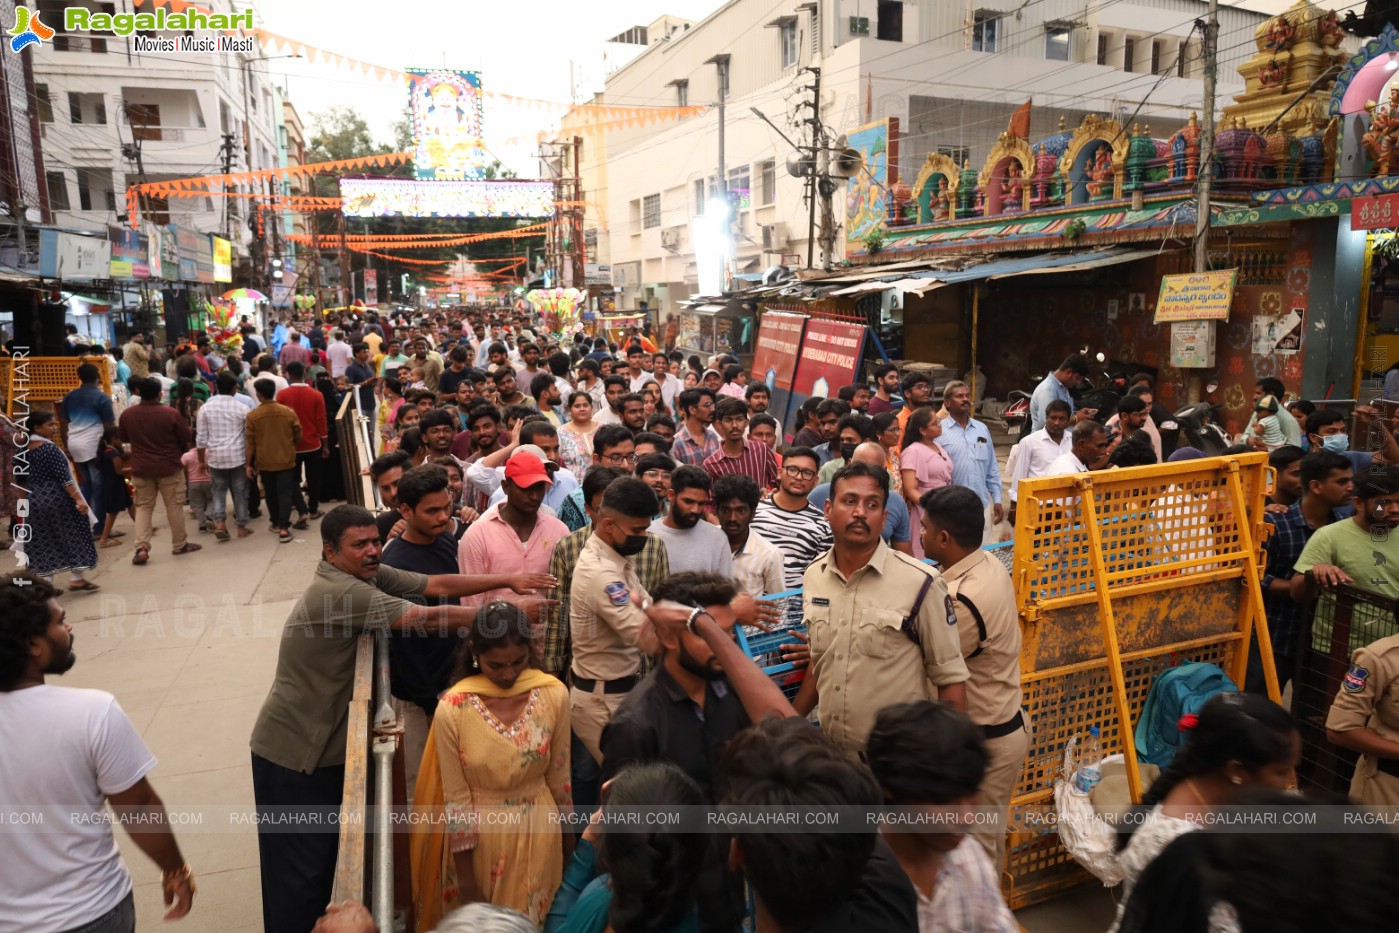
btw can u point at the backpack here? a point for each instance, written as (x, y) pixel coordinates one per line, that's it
(1180, 690)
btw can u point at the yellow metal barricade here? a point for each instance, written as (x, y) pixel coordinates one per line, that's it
(1120, 575)
(31, 379)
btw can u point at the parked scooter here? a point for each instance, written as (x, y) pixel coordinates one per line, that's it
(1199, 426)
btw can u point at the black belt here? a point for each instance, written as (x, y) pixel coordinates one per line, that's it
(1012, 724)
(588, 685)
(1388, 766)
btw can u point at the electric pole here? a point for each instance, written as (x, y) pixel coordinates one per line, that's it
(811, 189)
(227, 150)
(1206, 173)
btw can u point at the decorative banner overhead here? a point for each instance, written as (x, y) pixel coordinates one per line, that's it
(1196, 296)
(414, 240)
(374, 197)
(445, 107)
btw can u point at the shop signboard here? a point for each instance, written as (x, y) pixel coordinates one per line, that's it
(128, 253)
(154, 262)
(1375, 213)
(775, 356)
(1196, 296)
(597, 273)
(69, 256)
(830, 357)
(222, 254)
(191, 246)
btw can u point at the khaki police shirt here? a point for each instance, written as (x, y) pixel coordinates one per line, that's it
(989, 628)
(1369, 695)
(604, 620)
(860, 655)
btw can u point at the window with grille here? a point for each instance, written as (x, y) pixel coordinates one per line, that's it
(58, 189)
(699, 197)
(682, 93)
(767, 182)
(985, 31)
(1156, 55)
(787, 35)
(1129, 53)
(651, 211)
(1104, 41)
(44, 103)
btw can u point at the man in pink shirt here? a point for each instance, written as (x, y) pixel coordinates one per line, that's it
(295, 350)
(513, 536)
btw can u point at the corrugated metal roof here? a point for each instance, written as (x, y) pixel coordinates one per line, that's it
(929, 278)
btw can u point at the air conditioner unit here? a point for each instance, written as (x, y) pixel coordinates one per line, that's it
(859, 25)
(774, 238)
(670, 238)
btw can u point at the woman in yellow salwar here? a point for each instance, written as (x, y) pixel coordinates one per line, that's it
(496, 765)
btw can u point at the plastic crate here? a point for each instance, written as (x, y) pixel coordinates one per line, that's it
(765, 647)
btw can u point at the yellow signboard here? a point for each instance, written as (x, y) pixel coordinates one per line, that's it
(223, 259)
(1196, 296)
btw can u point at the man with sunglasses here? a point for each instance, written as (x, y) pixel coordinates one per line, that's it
(789, 521)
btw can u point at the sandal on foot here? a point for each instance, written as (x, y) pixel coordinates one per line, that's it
(110, 542)
(222, 534)
(142, 555)
(285, 537)
(83, 586)
(186, 548)
(245, 532)
(301, 524)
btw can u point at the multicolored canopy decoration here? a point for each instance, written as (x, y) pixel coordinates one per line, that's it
(250, 293)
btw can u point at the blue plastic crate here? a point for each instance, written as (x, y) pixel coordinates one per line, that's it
(765, 647)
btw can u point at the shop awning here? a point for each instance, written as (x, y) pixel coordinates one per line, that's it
(998, 269)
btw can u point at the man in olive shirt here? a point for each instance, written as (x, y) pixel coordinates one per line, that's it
(882, 626)
(274, 430)
(298, 743)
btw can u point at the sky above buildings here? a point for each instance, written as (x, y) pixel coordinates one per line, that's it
(548, 50)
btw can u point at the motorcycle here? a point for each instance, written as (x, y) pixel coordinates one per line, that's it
(1199, 427)
(1100, 391)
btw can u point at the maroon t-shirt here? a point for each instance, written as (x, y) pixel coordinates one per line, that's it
(159, 435)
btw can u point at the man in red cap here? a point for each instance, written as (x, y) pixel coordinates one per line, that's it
(513, 536)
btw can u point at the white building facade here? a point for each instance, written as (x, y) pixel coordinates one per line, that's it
(952, 74)
(111, 115)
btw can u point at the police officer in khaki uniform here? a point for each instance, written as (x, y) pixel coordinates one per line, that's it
(881, 624)
(607, 610)
(989, 627)
(1365, 718)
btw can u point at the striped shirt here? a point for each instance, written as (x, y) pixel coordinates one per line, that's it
(966, 895)
(757, 461)
(801, 536)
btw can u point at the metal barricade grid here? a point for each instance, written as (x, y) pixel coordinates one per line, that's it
(1118, 576)
(45, 378)
(1346, 617)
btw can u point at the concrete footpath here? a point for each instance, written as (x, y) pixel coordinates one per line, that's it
(188, 645)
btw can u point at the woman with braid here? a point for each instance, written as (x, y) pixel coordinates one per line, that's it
(1238, 742)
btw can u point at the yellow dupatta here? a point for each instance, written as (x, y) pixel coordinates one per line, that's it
(428, 851)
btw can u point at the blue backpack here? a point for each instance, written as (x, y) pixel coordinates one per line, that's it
(1180, 690)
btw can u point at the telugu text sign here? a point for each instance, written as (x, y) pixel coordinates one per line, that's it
(1375, 213)
(1196, 296)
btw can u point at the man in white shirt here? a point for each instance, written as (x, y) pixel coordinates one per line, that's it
(339, 354)
(670, 386)
(1036, 454)
(757, 562)
(1089, 451)
(636, 373)
(69, 753)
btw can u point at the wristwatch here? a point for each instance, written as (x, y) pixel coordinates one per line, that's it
(690, 622)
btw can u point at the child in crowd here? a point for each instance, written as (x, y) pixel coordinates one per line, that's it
(199, 488)
(116, 495)
(1267, 427)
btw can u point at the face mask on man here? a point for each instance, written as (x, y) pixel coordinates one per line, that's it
(1336, 443)
(630, 546)
(847, 452)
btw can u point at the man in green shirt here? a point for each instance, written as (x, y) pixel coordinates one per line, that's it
(1364, 550)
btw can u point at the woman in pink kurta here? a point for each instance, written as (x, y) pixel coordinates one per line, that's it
(925, 467)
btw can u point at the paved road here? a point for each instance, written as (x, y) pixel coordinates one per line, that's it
(188, 645)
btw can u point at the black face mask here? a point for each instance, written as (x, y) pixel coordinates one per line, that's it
(631, 545)
(847, 452)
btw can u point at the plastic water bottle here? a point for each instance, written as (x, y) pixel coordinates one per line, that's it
(1090, 759)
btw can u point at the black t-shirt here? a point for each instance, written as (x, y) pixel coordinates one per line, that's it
(884, 901)
(356, 373)
(385, 521)
(420, 664)
(449, 380)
